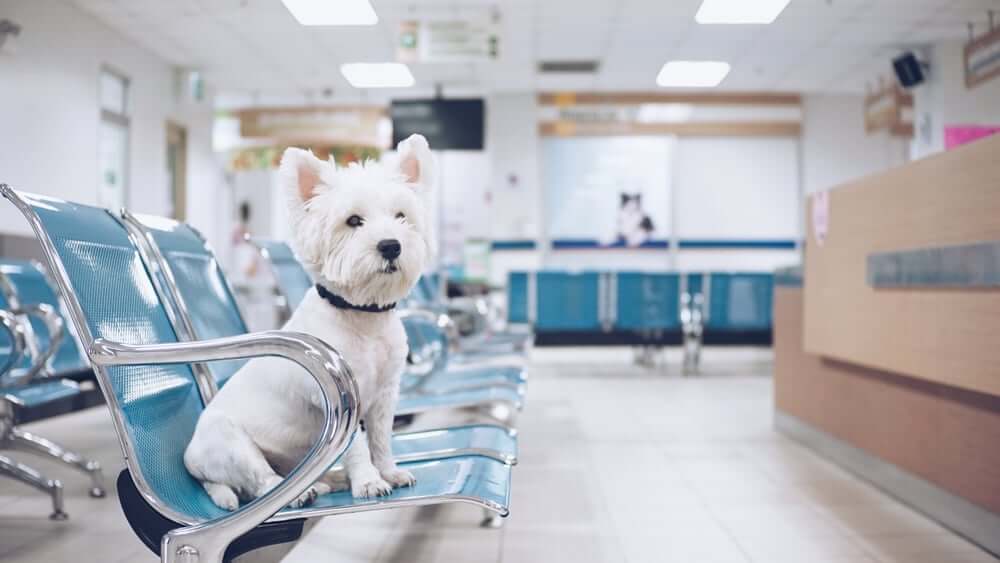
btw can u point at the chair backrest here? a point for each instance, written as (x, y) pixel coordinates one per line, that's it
(568, 301)
(31, 286)
(428, 345)
(110, 295)
(648, 301)
(292, 278)
(739, 301)
(517, 297)
(191, 277)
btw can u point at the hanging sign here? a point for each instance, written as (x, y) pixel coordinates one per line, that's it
(435, 41)
(355, 125)
(982, 58)
(889, 109)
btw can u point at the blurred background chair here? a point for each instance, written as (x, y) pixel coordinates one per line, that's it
(41, 382)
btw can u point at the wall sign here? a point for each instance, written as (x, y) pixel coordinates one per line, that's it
(820, 216)
(982, 58)
(958, 135)
(355, 125)
(889, 109)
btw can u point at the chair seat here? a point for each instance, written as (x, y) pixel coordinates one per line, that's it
(38, 394)
(472, 479)
(475, 479)
(498, 344)
(411, 403)
(457, 378)
(479, 439)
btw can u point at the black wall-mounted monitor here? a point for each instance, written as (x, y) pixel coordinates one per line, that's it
(456, 124)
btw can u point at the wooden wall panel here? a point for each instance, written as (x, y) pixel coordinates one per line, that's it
(945, 435)
(944, 335)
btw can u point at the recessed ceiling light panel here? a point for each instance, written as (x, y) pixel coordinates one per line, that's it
(740, 11)
(692, 74)
(332, 12)
(377, 75)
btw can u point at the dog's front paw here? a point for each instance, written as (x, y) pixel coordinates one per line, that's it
(309, 496)
(376, 487)
(399, 477)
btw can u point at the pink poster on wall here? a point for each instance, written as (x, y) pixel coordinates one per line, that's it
(958, 135)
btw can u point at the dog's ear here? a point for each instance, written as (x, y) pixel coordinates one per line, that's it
(416, 162)
(300, 174)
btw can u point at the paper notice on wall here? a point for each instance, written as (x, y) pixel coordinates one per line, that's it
(958, 135)
(820, 216)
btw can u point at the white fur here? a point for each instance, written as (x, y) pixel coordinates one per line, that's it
(267, 417)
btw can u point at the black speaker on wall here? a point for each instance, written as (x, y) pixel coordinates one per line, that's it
(909, 70)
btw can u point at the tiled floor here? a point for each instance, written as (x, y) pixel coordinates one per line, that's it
(618, 464)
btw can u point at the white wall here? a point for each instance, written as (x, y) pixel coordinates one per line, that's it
(512, 144)
(944, 100)
(736, 188)
(49, 116)
(835, 147)
(725, 189)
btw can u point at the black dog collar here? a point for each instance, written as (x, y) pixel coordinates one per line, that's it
(341, 303)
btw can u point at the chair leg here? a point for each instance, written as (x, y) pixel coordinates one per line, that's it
(27, 441)
(33, 478)
(491, 520)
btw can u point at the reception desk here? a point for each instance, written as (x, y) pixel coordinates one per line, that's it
(887, 349)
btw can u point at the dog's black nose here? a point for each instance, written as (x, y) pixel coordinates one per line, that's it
(389, 248)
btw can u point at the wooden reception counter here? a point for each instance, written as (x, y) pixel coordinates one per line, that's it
(887, 356)
(940, 331)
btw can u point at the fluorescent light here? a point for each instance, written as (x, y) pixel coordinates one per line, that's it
(739, 11)
(692, 74)
(377, 75)
(332, 12)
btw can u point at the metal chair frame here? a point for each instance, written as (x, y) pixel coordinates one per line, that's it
(14, 438)
(208, 541)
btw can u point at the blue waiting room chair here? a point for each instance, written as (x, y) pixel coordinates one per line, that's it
(34, 383)
(201, 305)
(430, 372)
(144, 370)
(291, 279)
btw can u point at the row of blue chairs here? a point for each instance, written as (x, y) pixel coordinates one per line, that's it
(44, 375)
(157, 319)
(735, 307)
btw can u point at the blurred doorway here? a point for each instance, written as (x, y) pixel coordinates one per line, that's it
(177, 169)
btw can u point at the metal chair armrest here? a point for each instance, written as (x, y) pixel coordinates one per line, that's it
(207, 541)
(54, 325)
(13, 326)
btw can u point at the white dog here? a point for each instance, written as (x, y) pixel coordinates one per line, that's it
(365, 233)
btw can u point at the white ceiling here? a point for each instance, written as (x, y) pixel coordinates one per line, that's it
(255, 50)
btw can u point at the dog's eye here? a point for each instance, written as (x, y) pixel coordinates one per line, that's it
(354, 221)
(400, 215)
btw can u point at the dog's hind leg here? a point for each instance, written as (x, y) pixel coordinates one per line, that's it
(227, 462)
